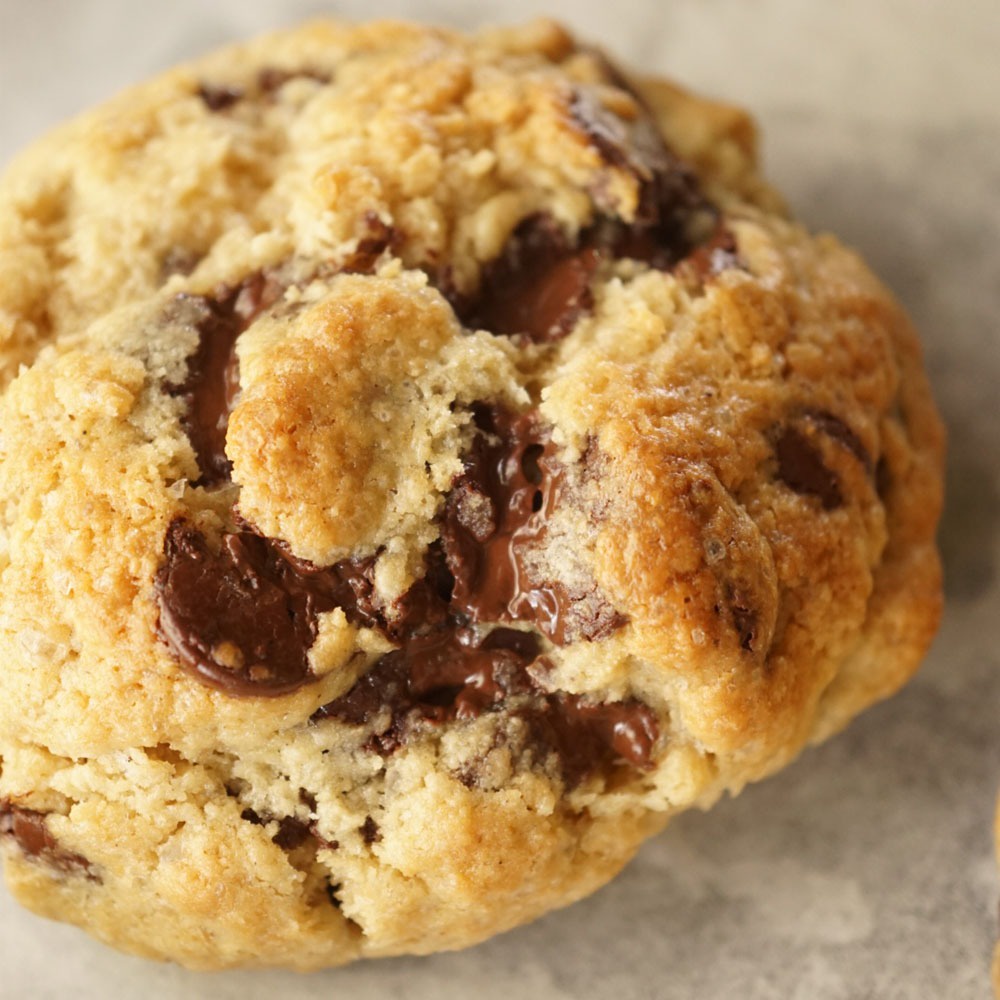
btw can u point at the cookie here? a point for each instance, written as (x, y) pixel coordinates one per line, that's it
(428, 463)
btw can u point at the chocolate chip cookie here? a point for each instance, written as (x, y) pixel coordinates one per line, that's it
(428, 463)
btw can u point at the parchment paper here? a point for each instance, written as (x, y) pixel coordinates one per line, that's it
(866, 869)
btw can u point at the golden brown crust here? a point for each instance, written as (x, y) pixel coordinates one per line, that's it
(748, 480)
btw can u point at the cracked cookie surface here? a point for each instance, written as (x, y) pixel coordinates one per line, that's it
(428, 463)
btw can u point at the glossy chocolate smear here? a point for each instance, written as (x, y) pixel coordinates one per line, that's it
(243, 618)
(494, 523)
(450, 673)
(455, 675)
(28, 829)
(538, 287)
(213, 379)
(588, 738)
(673, 216)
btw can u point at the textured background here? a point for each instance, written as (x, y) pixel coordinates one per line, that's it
(865, 870)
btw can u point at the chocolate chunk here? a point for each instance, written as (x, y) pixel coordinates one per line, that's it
(292, 832)
(745, 617)
(495, 519)
(883, 477)
(800, 462)
(451, 675)
(835, 428)
(801, 468)
(213, 381)
(673, 216)
(243, 618)
(540, 284)
(443, 675)
(538, 287)
(219, 97)
(28, 829)
(588, 738)
(370, 831)
(379, 237)
(711, 258)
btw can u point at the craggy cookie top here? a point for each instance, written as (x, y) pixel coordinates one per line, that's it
(427, 463)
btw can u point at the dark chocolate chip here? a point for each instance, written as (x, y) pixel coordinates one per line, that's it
(495, 517)
(213, 382)
(538, 287)
(587, 738)
(673, 215)
(883, 477)
(443, 675)
(801, 468)
(243, 618)
(370, 831)
(835, 428)
(379, 237)
(451, 675)
(292, 832)
(29, 830)
(719, 253)
(219, 97)
(746, 619)
(800, 461)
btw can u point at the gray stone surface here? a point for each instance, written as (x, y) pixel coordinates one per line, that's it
(866, 869)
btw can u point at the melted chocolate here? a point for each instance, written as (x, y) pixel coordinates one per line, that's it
(538, 287)
(673, 216)
(443, 675)
(244, 618)
(494, 521)
(28, 829)
(379, 237)
(451, 674)
(213, 378)
(218, 97)
(588, 738)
